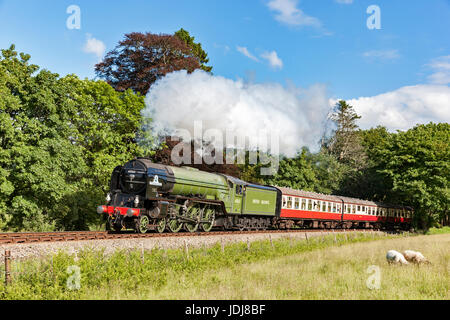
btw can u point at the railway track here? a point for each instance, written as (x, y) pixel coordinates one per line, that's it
(35, 237)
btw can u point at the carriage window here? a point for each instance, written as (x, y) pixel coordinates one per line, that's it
(297, 203)
(349, 208)
(334, 207)
(329, 206)
(309, 204)
(319, 203)
(353, 208)
(303, 204)
(324, 206)
(284, 202)
(338, 208)
(359, 208)
(289, 203)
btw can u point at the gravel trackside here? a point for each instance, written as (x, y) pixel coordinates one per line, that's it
(26, 250)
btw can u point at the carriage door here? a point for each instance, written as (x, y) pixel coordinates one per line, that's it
(238, 198)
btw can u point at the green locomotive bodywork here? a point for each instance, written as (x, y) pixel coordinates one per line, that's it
(190, 181)
(185, 196)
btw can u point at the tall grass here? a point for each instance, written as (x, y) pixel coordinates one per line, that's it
(321, 268)
(442, 230)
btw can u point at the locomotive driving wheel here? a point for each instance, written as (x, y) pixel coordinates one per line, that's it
(174, 225)
(209, 214)
(161, 225)
(142, 224)
(194, 213)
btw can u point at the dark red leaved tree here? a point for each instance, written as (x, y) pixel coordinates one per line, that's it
(142, 58)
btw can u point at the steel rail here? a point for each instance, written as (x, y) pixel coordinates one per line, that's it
(36, 237)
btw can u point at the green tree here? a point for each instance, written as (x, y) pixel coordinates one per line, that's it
(201, 55)
(329, 172)
(296, 173)
(417, 164)
(345, 143)
(60, 139)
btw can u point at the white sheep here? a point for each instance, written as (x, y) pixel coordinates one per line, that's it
(393, 256)
(415, 257)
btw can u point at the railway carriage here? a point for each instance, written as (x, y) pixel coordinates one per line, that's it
(314, 210)
(149, 196)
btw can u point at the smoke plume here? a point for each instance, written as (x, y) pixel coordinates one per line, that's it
(296, 114)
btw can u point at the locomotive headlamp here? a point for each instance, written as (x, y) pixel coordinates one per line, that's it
(108, 197)
(136, 201)
(101, 209)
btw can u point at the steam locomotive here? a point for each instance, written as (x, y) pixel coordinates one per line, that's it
(149, 196)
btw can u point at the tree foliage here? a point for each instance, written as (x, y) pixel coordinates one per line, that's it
(345, 143)
(318, 172)
(60, 139)
(142, 58)
(197, 49)
(416, 164)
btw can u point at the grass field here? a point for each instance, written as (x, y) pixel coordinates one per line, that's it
(285, 269)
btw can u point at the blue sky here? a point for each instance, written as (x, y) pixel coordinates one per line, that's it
(308, 41)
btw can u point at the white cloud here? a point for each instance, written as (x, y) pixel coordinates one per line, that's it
(404, 108)
(94, 46)
(298, 115)
(382, 54)
(441, 68)
(288, 13)
(246, 53)
(273, 59)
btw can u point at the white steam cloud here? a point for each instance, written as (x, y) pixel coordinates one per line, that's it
(297, 115)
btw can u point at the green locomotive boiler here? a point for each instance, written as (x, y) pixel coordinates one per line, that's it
(149, 196)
